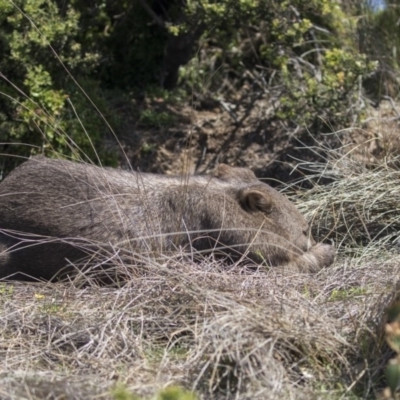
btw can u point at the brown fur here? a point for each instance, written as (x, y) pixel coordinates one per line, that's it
(54, 213)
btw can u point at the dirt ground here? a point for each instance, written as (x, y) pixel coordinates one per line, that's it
(254, 138)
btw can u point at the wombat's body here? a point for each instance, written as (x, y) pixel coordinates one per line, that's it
(55, 214)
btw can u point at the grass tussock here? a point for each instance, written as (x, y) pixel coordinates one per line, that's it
(359, 209)
(225, 333)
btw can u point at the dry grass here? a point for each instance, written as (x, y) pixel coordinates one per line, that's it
(224, 332)
(360, 209)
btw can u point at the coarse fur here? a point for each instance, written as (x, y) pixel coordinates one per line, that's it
(56, 214)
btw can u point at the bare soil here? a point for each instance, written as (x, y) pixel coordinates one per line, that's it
(253, 137)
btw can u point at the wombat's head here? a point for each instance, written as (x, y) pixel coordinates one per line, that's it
(266, 204)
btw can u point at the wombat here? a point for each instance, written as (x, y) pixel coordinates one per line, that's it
(56, 215)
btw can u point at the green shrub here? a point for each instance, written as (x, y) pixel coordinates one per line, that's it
(301, 56)
(42, 109)
(302, 53)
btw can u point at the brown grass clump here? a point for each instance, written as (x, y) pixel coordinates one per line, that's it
(359, 208)
(223, 332)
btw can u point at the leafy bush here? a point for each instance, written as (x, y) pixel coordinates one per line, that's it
(42, 107)
(379, 39)
(300, 52)
(300, 56)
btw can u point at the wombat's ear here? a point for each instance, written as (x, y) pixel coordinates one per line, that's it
(254, 200)
(229, 174)
(223, 171)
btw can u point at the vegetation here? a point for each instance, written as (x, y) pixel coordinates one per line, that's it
(64, 63)
(392, 330)
(290, 77)
(42, 106)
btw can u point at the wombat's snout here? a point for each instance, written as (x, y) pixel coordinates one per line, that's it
(325, 253)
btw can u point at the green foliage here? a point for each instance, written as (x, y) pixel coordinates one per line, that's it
(392, 372)
(153, 118)
(343, 294)
(176, 393)
(169, 393)
(120, 392)
(379, 39)
(305, 48)
(49, 48)
(126, 39)
(6, 290)
(302, 53)
(42, 108)
(331, 94)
